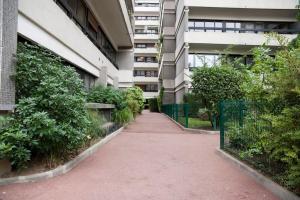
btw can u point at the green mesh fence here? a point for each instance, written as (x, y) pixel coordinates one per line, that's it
(242, 123)
(178, 112)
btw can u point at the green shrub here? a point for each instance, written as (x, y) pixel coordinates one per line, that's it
(153, 105)
(135, 100)
(95, 129)
(108, 95)
(50, 110)
(122, 116)
(15, 145)
(194, 103)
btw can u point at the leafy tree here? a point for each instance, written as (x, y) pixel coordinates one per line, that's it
(211, 85)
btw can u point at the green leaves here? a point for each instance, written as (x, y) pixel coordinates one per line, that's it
(50, 118)
(211, 85)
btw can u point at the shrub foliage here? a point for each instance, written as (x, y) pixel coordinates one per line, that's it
(50, 118)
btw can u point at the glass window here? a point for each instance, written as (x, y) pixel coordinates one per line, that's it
(140, 59)
(199, 26)
(81, 13)
(209, 26)
(92, 25)
(191, 25)
(191, 60)
(72, 4)
(230, 27)
(199, 60)
(218, 27)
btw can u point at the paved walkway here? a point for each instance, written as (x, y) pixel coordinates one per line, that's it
(151, 159)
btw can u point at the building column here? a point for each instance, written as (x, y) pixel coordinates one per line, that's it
(8, 48)
(102, 79)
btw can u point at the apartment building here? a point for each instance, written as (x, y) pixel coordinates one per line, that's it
(145, 46)
(195, 33)
(94, 36)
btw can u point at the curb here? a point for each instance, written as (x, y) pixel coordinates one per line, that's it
(270, 185)
(192, 130)
(63, 168)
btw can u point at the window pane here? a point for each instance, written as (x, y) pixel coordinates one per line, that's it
(72, 4)
(191, 60)
(81, 13)
(218, 26)
(230, 27)
(209, 26)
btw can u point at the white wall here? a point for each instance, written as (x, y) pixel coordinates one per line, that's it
(44, 22)
(223, 38)
(259, 4)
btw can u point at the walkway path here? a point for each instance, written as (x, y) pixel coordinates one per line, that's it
(151, 159)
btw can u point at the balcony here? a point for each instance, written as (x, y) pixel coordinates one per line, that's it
(146, 36)
(147, 22)
(145, 65)
(150, 95)
(102, 10)
(142, 9)
(245, 4)
(220, 40)
(144, 79)
(145, 51)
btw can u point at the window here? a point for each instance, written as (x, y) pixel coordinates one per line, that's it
(140, 59)
(146, 17)
(147, 4)
(241, 27)
(80, 13)
(145, 59)
(201, 60)
(140, 45)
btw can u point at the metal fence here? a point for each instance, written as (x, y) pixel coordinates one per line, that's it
(178, 112)
(241, 123)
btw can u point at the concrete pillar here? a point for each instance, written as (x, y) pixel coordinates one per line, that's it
(116, 82)
(102, 80)
(8, 48)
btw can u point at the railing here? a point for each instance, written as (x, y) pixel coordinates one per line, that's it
(178, 112)
(241, 123)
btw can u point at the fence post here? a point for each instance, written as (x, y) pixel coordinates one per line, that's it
(222, 129)
(186, 113)
(176, 112)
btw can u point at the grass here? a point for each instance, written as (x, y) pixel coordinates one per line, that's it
(196, 123)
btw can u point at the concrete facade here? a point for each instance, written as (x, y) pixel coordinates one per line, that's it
(8, 47)
(194, 30)
(96, 37)
(146, 47)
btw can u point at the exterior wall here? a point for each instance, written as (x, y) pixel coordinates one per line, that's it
(48, 25)
(8, 47)
(215, 42)
(144, 81)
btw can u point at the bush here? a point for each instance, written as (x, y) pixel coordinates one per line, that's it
(123, 116)
(95, 129)
(108, 95)
(135, 100)
(153, 105)
(50, 118)
(211, 85)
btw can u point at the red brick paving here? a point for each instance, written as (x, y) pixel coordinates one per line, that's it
(151, 159)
